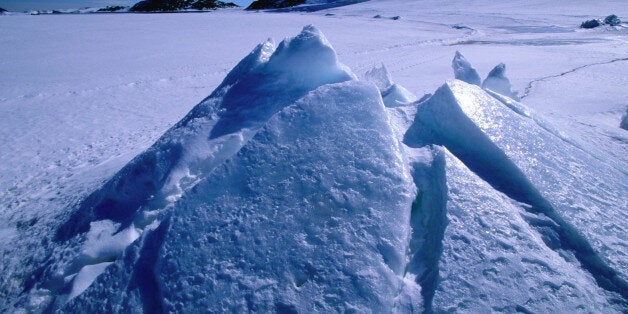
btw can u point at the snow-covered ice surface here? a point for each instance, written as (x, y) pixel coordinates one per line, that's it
(542, 227)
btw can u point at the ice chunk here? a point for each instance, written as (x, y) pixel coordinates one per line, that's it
(464, 71)
(105, 243)
(493, 259)
(357, 217)
(380, 77)
(512, 153)
(397, 95)
(497, 81)
(279, 226)
(85, 277)
(135, 199)
(393, 94)
(624, 121)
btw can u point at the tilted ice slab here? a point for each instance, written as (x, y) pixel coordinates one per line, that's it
(136, 198)
(492, 260)
(566, 189)
(311, 214)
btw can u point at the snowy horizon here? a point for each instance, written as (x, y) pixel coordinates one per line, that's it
(28, 5)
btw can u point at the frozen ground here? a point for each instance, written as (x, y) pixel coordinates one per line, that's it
(81, 95)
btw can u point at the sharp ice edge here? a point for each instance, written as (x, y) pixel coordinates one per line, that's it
(441, 121)
(527, 112)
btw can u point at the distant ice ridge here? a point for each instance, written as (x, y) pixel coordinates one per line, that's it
(294, 187)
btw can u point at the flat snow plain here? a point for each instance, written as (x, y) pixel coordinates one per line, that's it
(81, 95)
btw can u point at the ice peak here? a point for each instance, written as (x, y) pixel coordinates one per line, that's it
(464, 71)
(308, 60)
(311, 29)
(259, 55)
(380, 77)
(394, 95)
(498, 71)
(496, 81)
(309, 37)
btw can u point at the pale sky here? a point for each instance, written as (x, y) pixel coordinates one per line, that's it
(22, 5)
